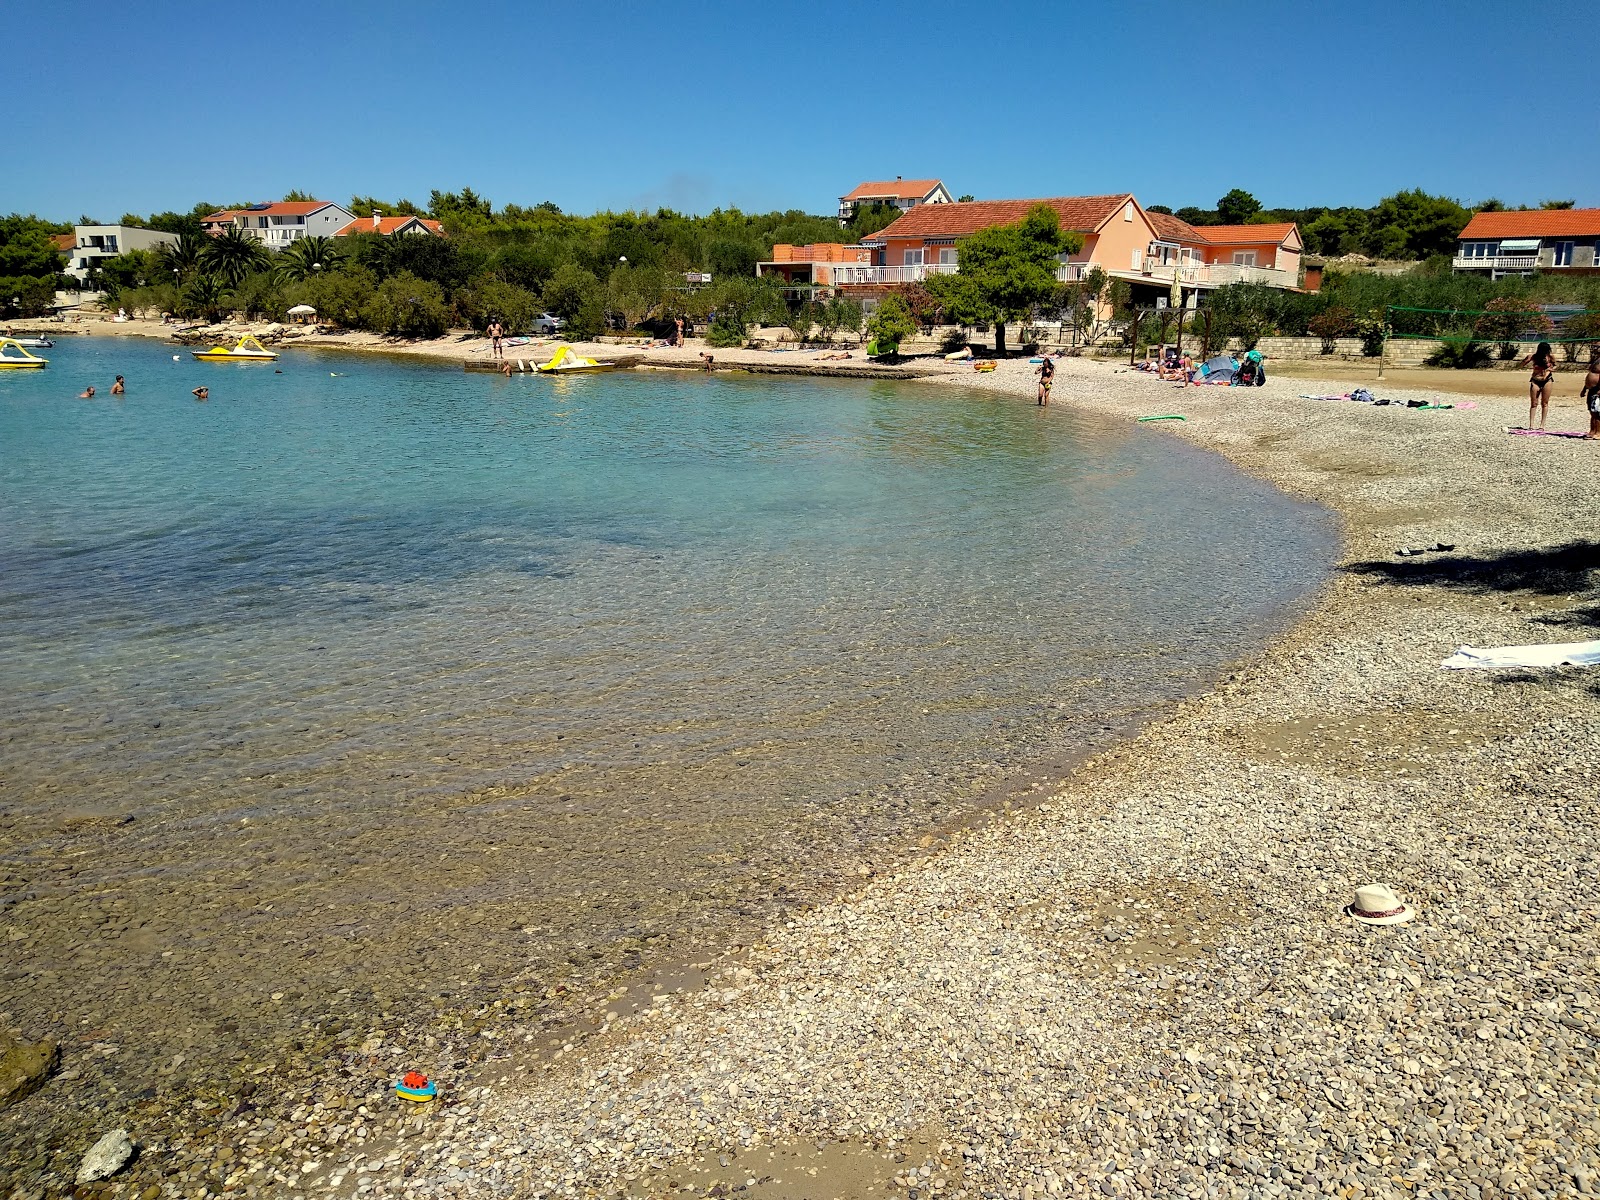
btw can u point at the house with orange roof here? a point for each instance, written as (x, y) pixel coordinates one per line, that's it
(904, 194)
(1148, 250)
(1520, 243)
(392, 226)
(811, 264)
(279, 223)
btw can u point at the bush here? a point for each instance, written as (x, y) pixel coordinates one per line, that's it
(1335, 321)
(1371, 332)
(891, 324)
(405, 306)
(955, 338)
(481, 303)
(336, 295)
(1461, 355)
(725, 332)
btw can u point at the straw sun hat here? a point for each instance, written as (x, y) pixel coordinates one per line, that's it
(1375, 904)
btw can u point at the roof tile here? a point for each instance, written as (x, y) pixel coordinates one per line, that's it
(1544, 222)
(901, 189)
(1080, 213)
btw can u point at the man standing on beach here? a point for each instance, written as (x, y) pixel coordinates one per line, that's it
(496, 331)
(1591, 393)
(680, 332)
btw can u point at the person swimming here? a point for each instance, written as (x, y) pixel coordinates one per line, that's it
(202, 393)
(86, 394)
(118, 387)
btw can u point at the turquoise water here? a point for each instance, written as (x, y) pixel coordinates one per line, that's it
(370, 668)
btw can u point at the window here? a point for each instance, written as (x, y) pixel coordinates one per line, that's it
(1127, 211)
(1563, 254)
(947, 258)
(912, 258)
(1244, 258)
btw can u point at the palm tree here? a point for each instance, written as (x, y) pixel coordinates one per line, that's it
(205, 296)
(301, 259)
(183, 256)
(232, 255)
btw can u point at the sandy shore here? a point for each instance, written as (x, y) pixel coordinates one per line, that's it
(1146, 986)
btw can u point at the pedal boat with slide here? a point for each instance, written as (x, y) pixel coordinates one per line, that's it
(248, 350)
(21, 359)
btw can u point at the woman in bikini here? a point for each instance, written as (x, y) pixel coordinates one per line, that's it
(1544, 371)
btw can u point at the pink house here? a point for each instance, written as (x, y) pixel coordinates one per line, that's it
(1147, 250)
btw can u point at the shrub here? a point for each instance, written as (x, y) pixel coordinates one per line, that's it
(336, 295)
(1512, 318)
(481, 303)
(1461, 355)
(1335, 321)
(890, 324)
(1371, 331)
(954, 339)
(406, 306)
(725, 332)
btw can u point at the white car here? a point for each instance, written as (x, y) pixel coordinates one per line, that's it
(546, 323)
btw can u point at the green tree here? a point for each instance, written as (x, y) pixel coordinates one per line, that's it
(183, 257)
(1237, 207)
(635, 293)
(303, 258)
(406, 306)
(801, 318)
(232, 255)
(337, 296)
(365, 206)
(490, 299)
(870, 218)
(890, 324)
(205, 296)
(30, 264)
(1413, 224)
(1006, 271)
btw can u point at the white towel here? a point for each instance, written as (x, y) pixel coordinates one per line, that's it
(1551, 654)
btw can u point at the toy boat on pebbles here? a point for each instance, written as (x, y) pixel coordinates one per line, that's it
(416, 1087)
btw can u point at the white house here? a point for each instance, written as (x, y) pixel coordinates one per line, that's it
(93, 243)
(281, 222)
(904, 194)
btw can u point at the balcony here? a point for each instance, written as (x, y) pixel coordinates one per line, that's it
(852, 273)
(1209, 274)
(1499, 262)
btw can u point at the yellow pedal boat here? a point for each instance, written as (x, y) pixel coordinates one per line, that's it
(248, 350)
(22, 358)
(567, 359)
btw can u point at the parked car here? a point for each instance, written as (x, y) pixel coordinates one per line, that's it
(546, 323)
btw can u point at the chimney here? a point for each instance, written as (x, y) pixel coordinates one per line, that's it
(898, 178)
(376, 217)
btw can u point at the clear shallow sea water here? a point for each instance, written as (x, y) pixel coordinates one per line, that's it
(382, 676)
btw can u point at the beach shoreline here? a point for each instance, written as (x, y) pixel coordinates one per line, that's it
(1362, 463)
(1149, 985)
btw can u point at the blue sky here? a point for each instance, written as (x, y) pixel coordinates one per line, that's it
(160, 105)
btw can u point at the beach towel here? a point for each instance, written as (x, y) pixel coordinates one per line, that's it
(1544, 432)
(1551, 654)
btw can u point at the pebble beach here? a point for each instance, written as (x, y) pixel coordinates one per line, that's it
(1147, 986)
(1144, 985)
